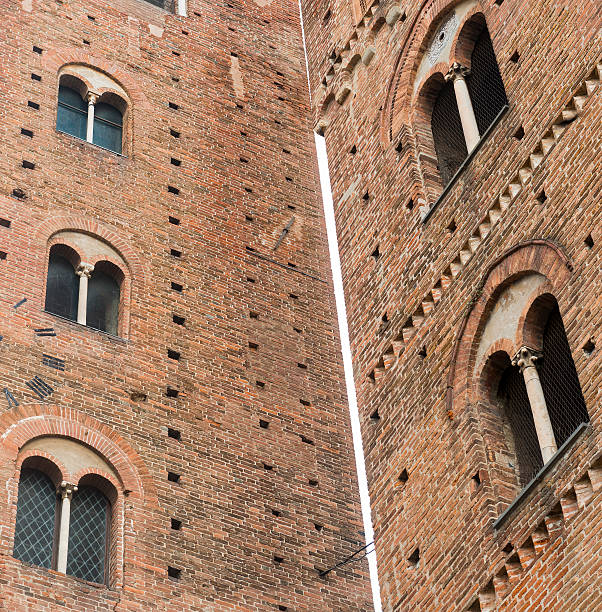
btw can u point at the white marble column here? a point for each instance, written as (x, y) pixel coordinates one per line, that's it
(84, 271)
(525, 359)
(66, 491)
(457, 74)
(92, 97)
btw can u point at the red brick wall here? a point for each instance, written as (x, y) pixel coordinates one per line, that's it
(427, 425)
(112, 394)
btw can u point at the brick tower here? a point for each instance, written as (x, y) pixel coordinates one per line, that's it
(464, 145)
(174, 432)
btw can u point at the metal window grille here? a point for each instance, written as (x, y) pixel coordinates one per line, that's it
(484, 83)
(167, 5)
(518, 412)
(87, 554)
(448, 135)
(36, 510)
(559, 380)
(62, 287)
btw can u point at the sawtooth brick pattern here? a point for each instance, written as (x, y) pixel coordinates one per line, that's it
(422, 439)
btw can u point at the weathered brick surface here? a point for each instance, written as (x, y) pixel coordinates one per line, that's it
(429, 423)
(238, 78)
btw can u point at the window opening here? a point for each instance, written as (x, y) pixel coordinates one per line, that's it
(36, 515)
(62, 287)
(103, 302)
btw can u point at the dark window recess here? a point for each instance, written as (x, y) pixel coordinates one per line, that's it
(448, 135)
(62, 286)
(103, 300)
(28, 133)
(484, 82)
(88, 529)
(559, 381)
(519, 417)
(72, 114)
(173, 433)
(34, 527)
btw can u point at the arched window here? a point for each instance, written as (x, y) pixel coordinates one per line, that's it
(516, 411)
(46, 514)
(108, 126)
(103, 298)
(90, 116)
(72, 117)
(88, 535)
(448, 136)
(90, 294)
(559, 380)
(62, 284)
(36, 514)
(485, 84)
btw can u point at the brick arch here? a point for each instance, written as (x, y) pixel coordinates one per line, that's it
(55, 59)
(74, 222)
(535, 256)
(62, 472)
(35, 420)
(398, 104)
(466, 36)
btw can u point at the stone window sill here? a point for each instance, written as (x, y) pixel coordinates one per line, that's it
(93, 329)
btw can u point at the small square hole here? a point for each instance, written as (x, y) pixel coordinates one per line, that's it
(173, 477)
(177, 287)
(410, 204)
(268, 467)
(35, 77)
(171, 392)
(403, 477)
(520, 133)
(353, 150)
(514, 57)
(28, 165)
(4, 223)
(312, 482)
(589, 242)
(174, 133)
(33, 105)
(589, 346)
(452, 227)
(37, 50)
(253, 315)
(176, 525)
(174, 220)
(253, 346)
(174, 106)
(18, 193)
(173, 354)
(175, 253)
(375, 416)
(178, 320)
(27, 133)
(173, 433)
(172, 189)
(542, 197)
(174, 573)
(175, 162)
(414, 558)
(264, 424)
(3, 255)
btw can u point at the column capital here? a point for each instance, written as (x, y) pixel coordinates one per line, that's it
(457, 71)
(526, 357)
(66, 489)
(92, 97)
(85, 269)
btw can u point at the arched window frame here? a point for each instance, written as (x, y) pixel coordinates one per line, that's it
(96, 87)
(88, 260)
(471, 382)
(66, 485)
(456, 69)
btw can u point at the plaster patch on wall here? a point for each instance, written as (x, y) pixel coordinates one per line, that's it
(236, 74)
(155, 30)
(26, 5)
(262, 3)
